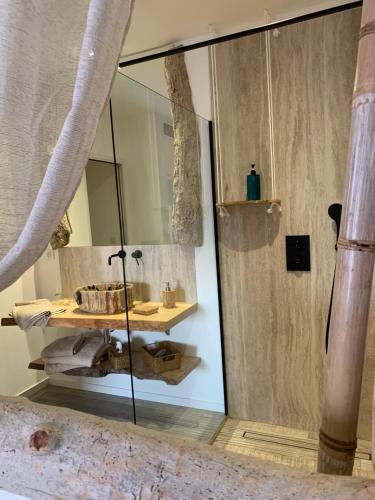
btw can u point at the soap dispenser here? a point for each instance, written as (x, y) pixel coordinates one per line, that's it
(253, 185)
(169, 296)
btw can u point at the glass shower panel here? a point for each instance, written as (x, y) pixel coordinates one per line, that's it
(176, 352)
(145, 157)
(100, 387)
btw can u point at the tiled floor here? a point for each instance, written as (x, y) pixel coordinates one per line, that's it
(201, 425)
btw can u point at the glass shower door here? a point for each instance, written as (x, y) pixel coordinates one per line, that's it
(175, 345)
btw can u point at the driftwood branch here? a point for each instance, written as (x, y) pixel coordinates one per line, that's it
(187, 221)
(44, 439)
(102, 459)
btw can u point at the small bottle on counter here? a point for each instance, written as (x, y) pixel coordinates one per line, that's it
(169, 296)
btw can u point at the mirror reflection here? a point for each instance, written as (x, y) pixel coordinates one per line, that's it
(144, 142)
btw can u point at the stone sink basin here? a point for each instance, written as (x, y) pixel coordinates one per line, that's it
(104, 298)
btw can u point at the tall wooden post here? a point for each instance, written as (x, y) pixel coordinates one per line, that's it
(355, 264)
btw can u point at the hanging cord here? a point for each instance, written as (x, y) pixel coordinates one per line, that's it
(121, 220)
(223, 212)
(270, 101)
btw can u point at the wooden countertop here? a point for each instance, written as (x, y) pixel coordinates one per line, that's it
(161, 321)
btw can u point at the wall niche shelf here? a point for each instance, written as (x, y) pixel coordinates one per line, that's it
(140, 370)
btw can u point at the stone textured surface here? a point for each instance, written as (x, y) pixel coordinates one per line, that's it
(187, 222)
(107, 298)
(96, 458)
(80, 266)
(274, 320)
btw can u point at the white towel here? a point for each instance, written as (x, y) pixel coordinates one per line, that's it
(65, 346)
(91, 353)
(34, 313)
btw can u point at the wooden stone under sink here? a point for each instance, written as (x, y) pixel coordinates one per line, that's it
(104, 298)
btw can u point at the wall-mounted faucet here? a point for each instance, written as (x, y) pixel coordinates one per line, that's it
(137, 255)
(121, 254)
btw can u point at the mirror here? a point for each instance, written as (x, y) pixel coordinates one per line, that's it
(144, 142)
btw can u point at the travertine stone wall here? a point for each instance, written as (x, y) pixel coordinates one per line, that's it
(80, 266)
(274, 320)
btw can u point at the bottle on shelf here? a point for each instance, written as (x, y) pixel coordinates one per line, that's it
(253, 185)
(169, 296)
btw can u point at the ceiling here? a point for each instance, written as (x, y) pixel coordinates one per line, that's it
(163, 22)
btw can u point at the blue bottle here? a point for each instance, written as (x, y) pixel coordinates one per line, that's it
(253, 185)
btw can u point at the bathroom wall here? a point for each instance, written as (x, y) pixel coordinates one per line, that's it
(274, 320)
(79, 214)
(18, 348)
(160, 263)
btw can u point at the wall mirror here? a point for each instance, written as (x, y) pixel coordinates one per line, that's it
(144, 145)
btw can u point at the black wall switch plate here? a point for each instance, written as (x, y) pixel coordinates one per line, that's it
(298, 253)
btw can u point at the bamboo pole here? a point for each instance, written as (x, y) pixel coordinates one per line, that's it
(355, 264)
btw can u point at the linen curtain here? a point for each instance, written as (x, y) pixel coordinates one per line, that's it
(57, 62)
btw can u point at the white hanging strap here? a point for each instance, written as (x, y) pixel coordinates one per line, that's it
(223, 212)
(270, 105)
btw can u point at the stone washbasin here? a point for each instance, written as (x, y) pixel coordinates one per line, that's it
(104, 298)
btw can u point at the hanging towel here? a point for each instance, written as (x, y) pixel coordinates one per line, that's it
(34, 313)
(90, 353)
(66, 346)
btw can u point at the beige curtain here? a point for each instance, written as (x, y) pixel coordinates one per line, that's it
(57, 62)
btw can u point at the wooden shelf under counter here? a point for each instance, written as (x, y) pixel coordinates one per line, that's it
(140, 370)
(162, 321)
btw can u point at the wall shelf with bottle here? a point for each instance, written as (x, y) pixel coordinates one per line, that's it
(248, 203)
(222, 206)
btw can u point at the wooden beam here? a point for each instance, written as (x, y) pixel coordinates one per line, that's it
(48, 452)
(354, 274)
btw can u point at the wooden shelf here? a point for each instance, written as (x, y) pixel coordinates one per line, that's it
(162, 321)
(247, 203)
(140, 371)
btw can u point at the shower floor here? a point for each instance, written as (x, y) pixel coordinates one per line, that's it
(201, 425)
(284, 445)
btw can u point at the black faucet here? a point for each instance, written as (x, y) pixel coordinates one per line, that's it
(121, 254)
(137, 255)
